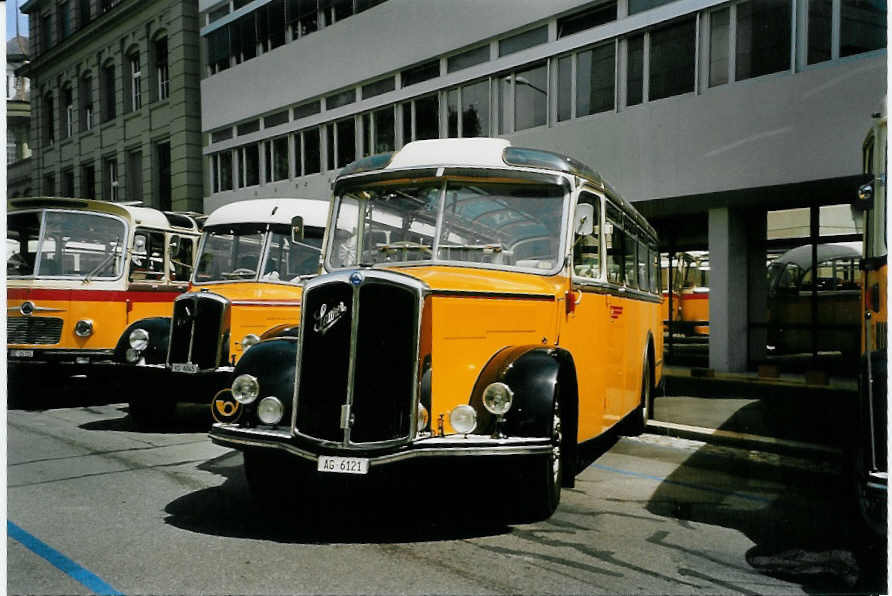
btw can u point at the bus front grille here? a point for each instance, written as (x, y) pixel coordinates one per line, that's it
(34, 330)
(199, 324)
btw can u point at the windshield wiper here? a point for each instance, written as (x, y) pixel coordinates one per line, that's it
(105, 261)
(483, 247)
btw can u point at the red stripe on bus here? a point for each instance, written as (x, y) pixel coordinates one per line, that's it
(695, 296)
(90, 295)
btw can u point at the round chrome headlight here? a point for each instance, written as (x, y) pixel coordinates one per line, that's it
(270, 410)
(83, 328)
(463, 419)
(245, 389)
(133, 355)
(497, 398)
(249, 340)
(422, 417)
(139, 339)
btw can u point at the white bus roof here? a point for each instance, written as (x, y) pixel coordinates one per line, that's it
(314, 212)
(142, 216)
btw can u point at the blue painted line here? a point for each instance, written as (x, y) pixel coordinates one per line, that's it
(708, 489)
(92, 581)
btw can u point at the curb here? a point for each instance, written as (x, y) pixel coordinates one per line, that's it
(744, 440)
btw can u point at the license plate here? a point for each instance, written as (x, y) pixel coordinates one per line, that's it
(343, 465)
(21, 353)
(184, 367)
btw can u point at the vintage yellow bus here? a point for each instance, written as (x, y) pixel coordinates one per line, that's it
(871, 463)
(79, 272)
(252, 262)
(478, 301)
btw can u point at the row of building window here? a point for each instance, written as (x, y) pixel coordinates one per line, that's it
(110, 183)
(85, 111)
(577, 84)
(64, 16)
(272, 25)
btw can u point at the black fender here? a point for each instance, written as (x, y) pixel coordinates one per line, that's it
(283, 330)
(159, 339)
(534, 373)
(272, 362)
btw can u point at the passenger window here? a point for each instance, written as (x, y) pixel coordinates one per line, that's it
(845, 273)
(181, 250)
(587, 248)
(630, 245)
(789, 279)
(655, 282)
(643, 281)
(147, 257)
(613, 237)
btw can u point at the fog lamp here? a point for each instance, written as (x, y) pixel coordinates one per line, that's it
(245, 389)
(139, 339)
(270, 410)
(83, 328)
(133, 356)
(463, 419)
(497, 398)
(249, 340)
(422, 417)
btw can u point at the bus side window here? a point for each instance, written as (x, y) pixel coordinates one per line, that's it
(613, 236)
(147, 256)
(643, 281)
(655, 282)
(587, 248)
(181, 253)
(629, 245)
(845, 272)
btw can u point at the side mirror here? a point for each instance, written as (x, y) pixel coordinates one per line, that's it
(864, 200)
(297, 228)
(584, 222)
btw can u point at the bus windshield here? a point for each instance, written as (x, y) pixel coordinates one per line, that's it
(511, 225)
(240, 252)
(73, 244)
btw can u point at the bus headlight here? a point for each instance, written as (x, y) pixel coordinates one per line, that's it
(497, 398)
(245, 389)
(83, 328)
(139, 339)
(270, 410)
(423, 417)
(133, 356)
(249, 340)
(463, 419)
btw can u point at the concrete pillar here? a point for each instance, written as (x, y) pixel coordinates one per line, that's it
(756, 234)
(728, 290)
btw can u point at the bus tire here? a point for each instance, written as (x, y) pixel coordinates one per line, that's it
(539, 490)
(637, 420)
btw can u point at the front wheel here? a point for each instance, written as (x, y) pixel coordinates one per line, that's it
(539, 490)
(637, 420)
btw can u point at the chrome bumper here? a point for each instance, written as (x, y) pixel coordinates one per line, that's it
(232, 435)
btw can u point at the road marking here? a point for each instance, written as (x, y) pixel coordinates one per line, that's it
(92, 581)
(709, 489)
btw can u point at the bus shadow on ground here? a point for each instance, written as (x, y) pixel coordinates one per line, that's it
(188, 418)
(803, 519)
(432, 507)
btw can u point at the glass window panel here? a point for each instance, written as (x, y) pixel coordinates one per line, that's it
(312, 151)
(564, 101)
(587, 249)
(422, 72)
(467, 59)
(248, 36)
(452, 113)
(598, 15)
(595, 75)
(407, 122)
(248, 127)
(614, 246)
(368, 140)
(275, 11)
(331, 148)
(298, 153)
(346, 142)
(643, 281)
(340, 99)
(636, 6)
(385, 131)
(719, 21)
(22, 236)
(763, 37)
(378, 87)
(307, 109)
(226, 170)
(475, 109)
(308, 16)
(251, 167)
(524, 40)
(427, 119)
(862, 27)
(820, 20)
(280, 158)
(503, 90)
(629, 252)
(530, 98)
(275, 119)
(672, 60)
(635, 71)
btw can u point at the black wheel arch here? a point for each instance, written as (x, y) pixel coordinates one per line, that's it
(159, 338)
(272, 362)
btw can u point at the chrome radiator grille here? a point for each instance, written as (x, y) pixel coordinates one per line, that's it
(373, 316)
(34, 330)
(200, 321)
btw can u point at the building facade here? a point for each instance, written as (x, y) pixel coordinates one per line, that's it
(18, 120)
(708, 114)
(115, 106)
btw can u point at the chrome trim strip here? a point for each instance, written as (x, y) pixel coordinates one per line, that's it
(485, 294)
(266, 302)
(455, 445)
(35, 308)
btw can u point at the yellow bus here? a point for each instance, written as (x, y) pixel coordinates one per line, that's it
(871, 464)
(252, 262)
(478, 301)
(78, 272)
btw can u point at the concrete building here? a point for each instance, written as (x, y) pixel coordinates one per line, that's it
(707, 114)
(18, 120)
(116, 110)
